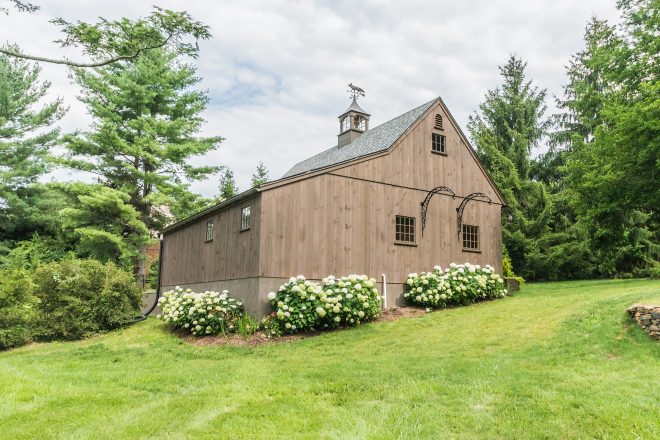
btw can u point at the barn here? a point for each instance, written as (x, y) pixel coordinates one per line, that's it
(401, 197)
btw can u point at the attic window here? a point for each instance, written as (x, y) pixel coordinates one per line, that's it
(404, 230)
(438, 142)
(438, 121)
(209, 230)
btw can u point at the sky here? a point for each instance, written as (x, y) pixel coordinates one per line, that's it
(277, 71)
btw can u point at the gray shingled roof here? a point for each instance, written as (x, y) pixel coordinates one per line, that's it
(376, 139)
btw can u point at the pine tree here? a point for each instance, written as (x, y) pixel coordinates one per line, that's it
(146, 119)
(26, 136)
(228, 188)
(260, 176)
(509, 123)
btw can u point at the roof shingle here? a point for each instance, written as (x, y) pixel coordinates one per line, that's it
(374, 140)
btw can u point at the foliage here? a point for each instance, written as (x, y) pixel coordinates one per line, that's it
(111, 41)
(228, 187)
(260, 176)
(26, 135)
(247, 325)
(30, 254)
(204, 313)
(16, 308)
(609, 130)
(103, 223)
(303, 305)
(152, 277)
(81, 297)
(459, 284)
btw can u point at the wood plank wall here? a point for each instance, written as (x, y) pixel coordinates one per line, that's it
(233, 254)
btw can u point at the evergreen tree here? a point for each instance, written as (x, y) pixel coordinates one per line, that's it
(611, 109)
(146, 119)
(26, 136)
(228, 188)
(511, 119)
(509, 123)
(260, 176)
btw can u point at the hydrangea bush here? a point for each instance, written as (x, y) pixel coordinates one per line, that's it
(303, 305)
(459, 284)
(205, 313)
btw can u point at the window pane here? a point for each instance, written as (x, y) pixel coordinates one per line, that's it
(404, 229)
(245, 218)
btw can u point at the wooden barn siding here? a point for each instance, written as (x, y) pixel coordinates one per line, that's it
(188, 259)
(411, 162)
(332, 224)
(341, 226)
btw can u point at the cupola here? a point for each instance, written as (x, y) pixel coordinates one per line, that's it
(354, 121)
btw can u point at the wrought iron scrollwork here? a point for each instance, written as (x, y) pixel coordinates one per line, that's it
(466, 200)
(429, 196)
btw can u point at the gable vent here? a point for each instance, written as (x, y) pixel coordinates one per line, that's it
(438, 121)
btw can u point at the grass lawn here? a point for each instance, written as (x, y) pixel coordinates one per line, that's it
(558, 360)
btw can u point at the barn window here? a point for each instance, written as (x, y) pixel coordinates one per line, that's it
(438, 121)
(470, 238)
(438, 143)
(209, 230)
(245, 218)
(404, 230)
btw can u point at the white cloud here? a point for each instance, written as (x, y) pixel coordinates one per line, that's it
(277, 70)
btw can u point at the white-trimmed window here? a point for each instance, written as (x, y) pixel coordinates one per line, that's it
(438, 143)
(404, 230)
(245, 218)
(209, 230)
(470, 238)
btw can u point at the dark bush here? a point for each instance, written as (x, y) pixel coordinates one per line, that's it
(152, 276)
(16, 308)
(82, 297)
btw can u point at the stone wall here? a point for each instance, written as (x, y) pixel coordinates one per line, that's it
(648, 317)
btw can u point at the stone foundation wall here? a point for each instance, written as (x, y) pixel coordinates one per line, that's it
(648, 317)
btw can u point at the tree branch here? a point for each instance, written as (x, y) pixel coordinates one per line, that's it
(70, 63)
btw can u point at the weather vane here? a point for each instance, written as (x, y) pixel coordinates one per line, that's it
(355, 91)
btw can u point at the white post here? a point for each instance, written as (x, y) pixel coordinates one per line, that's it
(384, 291)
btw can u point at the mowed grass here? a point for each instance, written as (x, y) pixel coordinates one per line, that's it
(558, 360)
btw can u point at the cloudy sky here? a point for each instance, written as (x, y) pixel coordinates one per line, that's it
(276, 71)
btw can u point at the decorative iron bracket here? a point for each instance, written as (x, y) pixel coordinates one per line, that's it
(429, 196)
(461, 207)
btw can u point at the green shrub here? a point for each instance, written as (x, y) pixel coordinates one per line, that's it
(459, 284)
(16, 308)
(303, 305)
(205, 313)
(152, 276)
(82, 297)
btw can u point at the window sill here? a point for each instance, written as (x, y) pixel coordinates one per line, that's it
(405, 243)
(244, 229)
(435, 127)
(208, 241)
(441, 153)
(474, 251)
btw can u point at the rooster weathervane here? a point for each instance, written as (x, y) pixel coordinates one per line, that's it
(355, 91)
